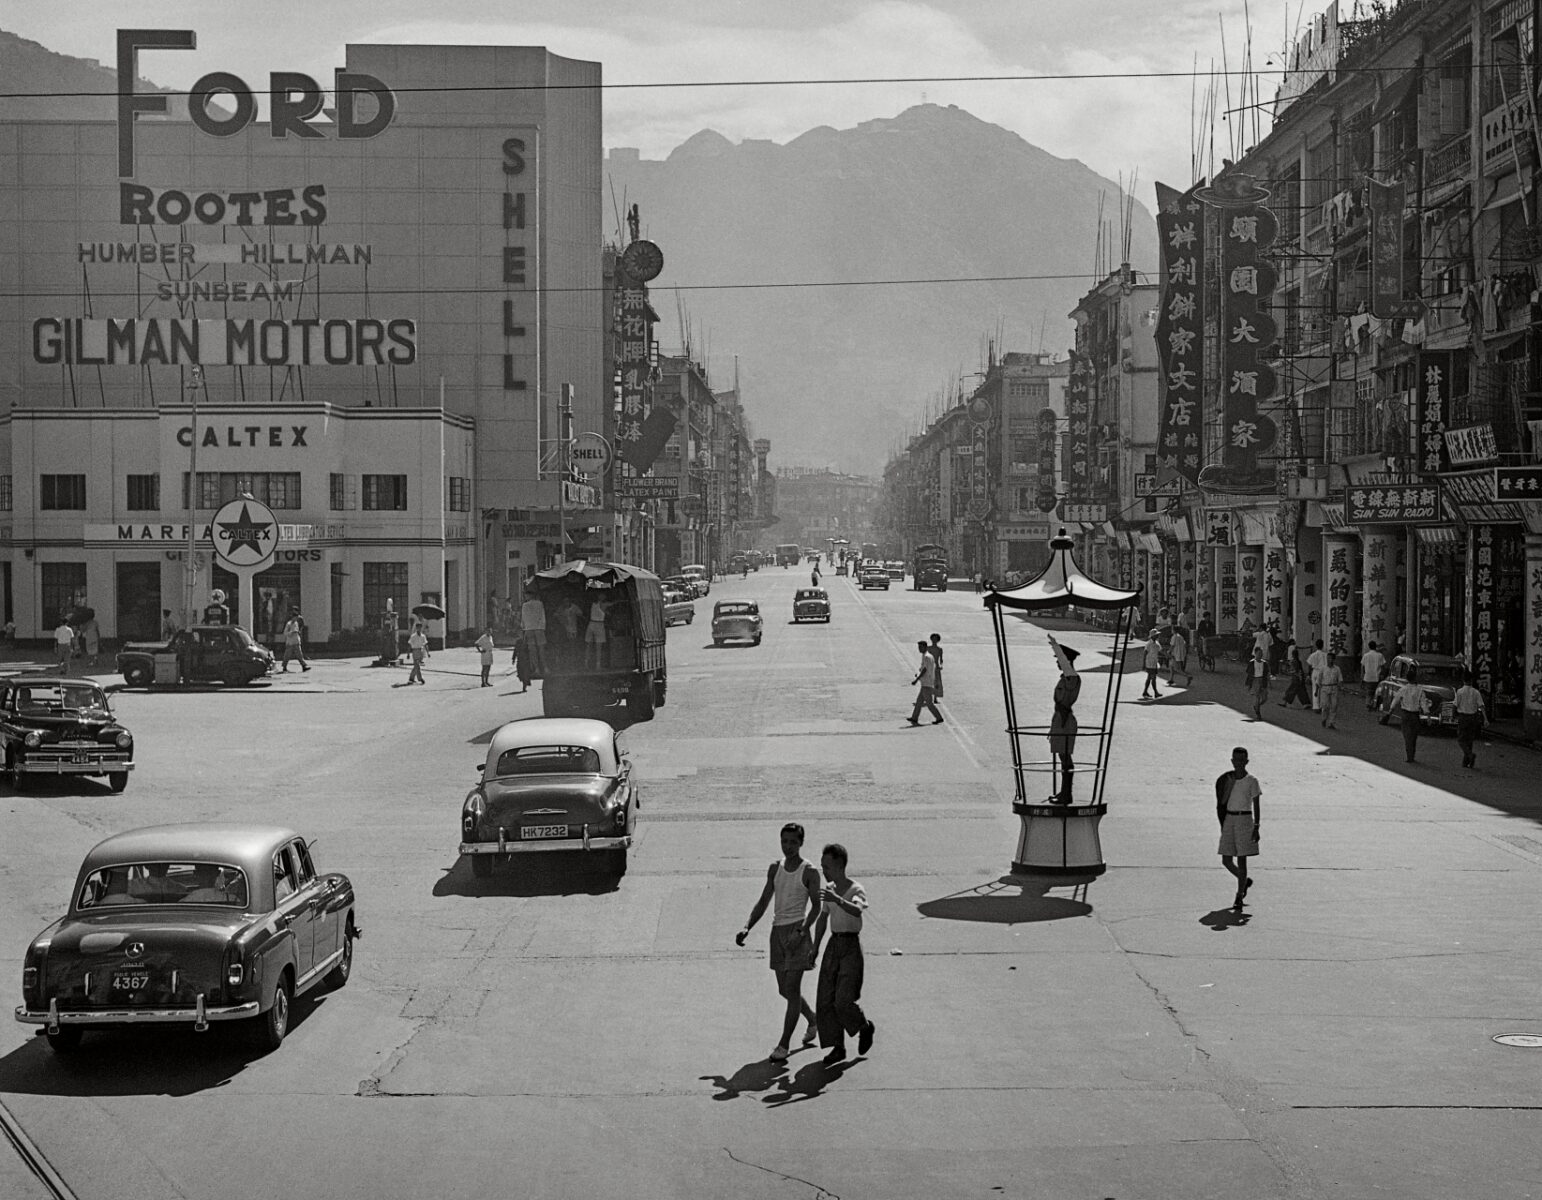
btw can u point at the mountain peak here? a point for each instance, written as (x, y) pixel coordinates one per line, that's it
(708, 143)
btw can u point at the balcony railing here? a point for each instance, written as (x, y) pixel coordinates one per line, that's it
(1507, 137)
(1449, 160)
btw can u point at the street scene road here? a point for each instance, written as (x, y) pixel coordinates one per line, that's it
(553, 1031)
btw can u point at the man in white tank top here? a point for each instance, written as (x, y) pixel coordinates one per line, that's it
(794, 885)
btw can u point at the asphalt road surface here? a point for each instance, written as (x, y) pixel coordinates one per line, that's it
(553, 1033)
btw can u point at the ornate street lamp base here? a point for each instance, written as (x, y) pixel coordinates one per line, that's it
(1059, 839)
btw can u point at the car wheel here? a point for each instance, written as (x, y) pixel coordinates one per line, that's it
(270, 1028)
(481, 866)
(136, 676)
(616, 861)
(639, 702)
(717, 641)
(117, 780)
(338, 975)
(66, 1040)
(756, 642)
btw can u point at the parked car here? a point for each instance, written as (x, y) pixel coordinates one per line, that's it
(679, 607)
(736, 621)
(1439, 675)
(188, 925)
(58, 725)
(699, 578)
(811, 604)
(873, 577)
(738, 564)
(197, 654)
(551, 783)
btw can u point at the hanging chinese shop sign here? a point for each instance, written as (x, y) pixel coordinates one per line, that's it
(1246, 229)
(1078, 438)
(979, 474)
(634, 364)
(1518, 483)
(1181, 228)
(1483, 607)
(1393, 504)
(1047, 424)
(1387, 302)
(1432, 402)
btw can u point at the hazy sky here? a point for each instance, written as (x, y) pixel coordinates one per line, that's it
(1114, 125)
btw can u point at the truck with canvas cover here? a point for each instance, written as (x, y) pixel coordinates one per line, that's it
(604, 639)
(931, 569)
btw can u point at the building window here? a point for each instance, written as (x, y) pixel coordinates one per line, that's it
(276, 489)
(144, 493)
(342, 492)
(64, 590)
(61, 492)
(384, 581)
(5, 493)
(460, 494)
(385, 492)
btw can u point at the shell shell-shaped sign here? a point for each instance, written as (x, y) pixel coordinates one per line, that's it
(245, 534)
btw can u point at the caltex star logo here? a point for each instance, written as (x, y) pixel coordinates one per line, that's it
(244, 531)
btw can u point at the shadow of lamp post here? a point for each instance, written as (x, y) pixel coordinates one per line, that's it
(1059, 836)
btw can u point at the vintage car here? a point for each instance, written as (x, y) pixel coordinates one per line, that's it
(1438, 674)
(198, 654)
(56, 725)
(700, 580)
(551, 783)
(736, 621)
(896, 570)
(738, 564)
(811, 604)
(186, 925)
(679, 607)
(873, 577)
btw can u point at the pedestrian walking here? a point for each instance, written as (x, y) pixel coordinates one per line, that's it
(836, 1006)
(936, 653)
(484, 646)
(64, 644)
(1237, 796)
(1152, 662)
(927, 678)
(1316, 661)
(1372, 662)
(1257, 680)
(1263, 640)
(532, 652)
(814, 575)
(794, 886)
(1409, 705)
(979, 582)
(1299, 688)
(417, 648)
(168, 625)
(90, 639)
(1062, 724)
(294, 640)
(1469, 719)
(1178, 658)
(1329, 684)
(1205, 633)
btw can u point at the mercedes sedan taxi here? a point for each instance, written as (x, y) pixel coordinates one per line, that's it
(811, 604)
(551, 783)
(736, 621)
(187, 925)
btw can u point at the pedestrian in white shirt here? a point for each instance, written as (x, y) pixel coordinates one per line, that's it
(1469, 719)
(1315, 662)
(1371, 664)
(417, 648)
(1329, 683)
(1237, 796)
(840, 972)
(1409, 705)
(484, 645)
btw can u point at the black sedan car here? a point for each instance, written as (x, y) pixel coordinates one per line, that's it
(58, 725)
(187, 925)
(1439, 675)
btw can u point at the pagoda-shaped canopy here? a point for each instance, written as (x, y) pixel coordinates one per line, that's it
(1061, 584)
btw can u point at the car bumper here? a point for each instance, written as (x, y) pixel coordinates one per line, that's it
(537, 846)
(53, 1017)
(100, 767)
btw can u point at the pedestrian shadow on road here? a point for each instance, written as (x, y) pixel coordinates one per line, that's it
(758, 1076)
(809, 1082)
(1223, 919)
(1012, 900)
(556, 873)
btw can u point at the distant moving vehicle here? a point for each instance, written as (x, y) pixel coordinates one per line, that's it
(811, 604)
(756, 558)
(1439, 675)
(197, 654)
(873, 576)
(736, 621)
(896, 569)
(869, 551)
(583, 668)
(699, 578)
(931, 568)
(59, 725)
(789, 554)
(679, 607)
(551, 784)
(186, 925)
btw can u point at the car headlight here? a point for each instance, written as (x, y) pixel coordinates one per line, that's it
(33, 739)
(125, 740)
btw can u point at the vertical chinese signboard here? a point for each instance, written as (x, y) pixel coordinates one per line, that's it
(1483, 607)
(1274, 586)
(1226, 568)
(1386, 204)
(1341, 590)
(1180, 330)
(1250, 562)
(1431, 409)
(1047, 425)
(1078, 439)
(634, 365)
(1246, 229)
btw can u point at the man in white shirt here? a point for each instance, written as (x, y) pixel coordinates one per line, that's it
(1330, 682)
(1315, 662)
(1237, 796)
(417, 650)
(840, 972)
(64, 643)
(532, 652)
(927, 696)
(1469, 719)
(1371, 664)
(1409, 706)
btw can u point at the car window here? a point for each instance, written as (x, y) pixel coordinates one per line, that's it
(302, 860)
(164, 883)
(283, 876)
(548, 760)
(1441, 676)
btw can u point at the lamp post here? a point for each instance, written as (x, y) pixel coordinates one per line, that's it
(190, 575)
